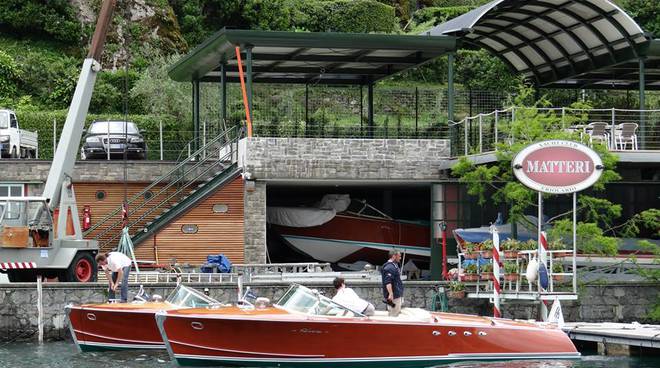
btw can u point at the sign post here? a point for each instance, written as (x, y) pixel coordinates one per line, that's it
(556, 167)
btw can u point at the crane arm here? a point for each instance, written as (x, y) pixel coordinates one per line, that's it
(67, 148)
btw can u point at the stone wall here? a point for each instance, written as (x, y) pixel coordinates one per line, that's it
(36, 171)
(597, 303)
(345, 159)
(254, 222)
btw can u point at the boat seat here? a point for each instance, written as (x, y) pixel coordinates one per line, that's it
(407, 314)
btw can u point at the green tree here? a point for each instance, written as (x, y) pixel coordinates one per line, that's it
(532, 125)
(55, 18)
(645, 12)
(9, 75)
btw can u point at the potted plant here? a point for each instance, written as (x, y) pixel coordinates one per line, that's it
(487, 272)
(510, 248)
(526, 247)
(470, 273)
(510, 271)
(487, 248)
(471, 250)
(456, 290)
(557, 269)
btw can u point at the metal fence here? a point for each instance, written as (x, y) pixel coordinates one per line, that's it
(617, 129)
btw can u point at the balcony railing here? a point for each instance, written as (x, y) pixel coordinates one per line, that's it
(618, 129)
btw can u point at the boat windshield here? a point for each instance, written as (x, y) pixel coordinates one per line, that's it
(184, 296)
(301, 299)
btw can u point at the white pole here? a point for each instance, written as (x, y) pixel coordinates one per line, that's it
(541, 254)
(54, 136)
(108, 147)
(612, 143)
(204, 139)
(466, 135)
(40, 310)
(497, 312)
(574, 242)
(496, 123)
(481, 138)
(160, 130)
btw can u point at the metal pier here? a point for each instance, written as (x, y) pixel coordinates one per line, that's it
(630, 334)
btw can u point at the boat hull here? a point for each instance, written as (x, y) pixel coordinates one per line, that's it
(291, 341)
(104, 327)
(349, 239)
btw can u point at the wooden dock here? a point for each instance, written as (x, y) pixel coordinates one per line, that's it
(628, 334)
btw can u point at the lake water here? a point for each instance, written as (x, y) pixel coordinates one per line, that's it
(64, 355)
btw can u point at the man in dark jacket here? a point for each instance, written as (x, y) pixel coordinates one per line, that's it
(392, 285)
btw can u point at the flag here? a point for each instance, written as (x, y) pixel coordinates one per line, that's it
(556, 315)
(124, 213)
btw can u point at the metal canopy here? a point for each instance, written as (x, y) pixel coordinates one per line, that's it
(550, 40)
(304, 57)
(624, 76)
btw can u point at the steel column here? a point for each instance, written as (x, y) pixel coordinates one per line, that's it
(195, 102)
(248, 81)
(450, 87)
(370, 110)
(223, 93)
(642, 104)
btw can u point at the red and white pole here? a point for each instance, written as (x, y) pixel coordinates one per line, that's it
(497, 289)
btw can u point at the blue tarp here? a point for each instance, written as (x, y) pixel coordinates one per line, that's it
(217, 262)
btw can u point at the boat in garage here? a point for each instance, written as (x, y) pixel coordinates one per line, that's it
(118, 326)
(341, 229)
(305, 328)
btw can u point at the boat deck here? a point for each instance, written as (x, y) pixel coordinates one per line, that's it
(631, 334)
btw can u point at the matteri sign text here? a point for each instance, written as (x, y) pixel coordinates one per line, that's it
(557, 166)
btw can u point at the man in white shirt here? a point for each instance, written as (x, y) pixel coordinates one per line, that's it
(348, 298)
(120, 266)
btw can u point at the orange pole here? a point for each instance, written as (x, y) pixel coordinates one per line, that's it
(245, 99)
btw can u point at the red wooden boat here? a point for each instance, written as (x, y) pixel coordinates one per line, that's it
(115, 326)
(359, 233)
(308, 329)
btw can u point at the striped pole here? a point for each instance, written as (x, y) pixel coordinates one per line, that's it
(542, 255)
(497, 289)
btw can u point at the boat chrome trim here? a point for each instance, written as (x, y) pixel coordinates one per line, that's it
(115, 338)
(67, 312)
(246, 352)
(160, 320)
(429, 359)
(123, 346)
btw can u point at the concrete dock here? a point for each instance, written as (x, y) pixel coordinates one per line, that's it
(615, 338)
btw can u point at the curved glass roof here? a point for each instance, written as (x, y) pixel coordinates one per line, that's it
(550, 40)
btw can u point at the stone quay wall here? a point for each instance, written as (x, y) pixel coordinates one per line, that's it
(597, 303)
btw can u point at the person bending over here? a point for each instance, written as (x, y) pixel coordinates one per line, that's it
(120, 266)
(348, 298)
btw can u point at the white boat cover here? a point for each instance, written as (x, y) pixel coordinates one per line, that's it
(325, 211)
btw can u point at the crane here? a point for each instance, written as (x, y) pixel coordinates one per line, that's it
(32, 240)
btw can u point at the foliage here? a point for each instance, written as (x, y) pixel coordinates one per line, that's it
(437, 15)
(471, 269)
(648, 220)
(590, 237)
(488, 267)
(531, 244)
(456, 286)
(9, 75)
(477, 69)
(486, 245)
(510, 244)
(645, 12)
(359, 16)
(156, 92)
(55, 18)
(510, 267)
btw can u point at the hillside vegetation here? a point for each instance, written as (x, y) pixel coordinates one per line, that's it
(42, 43)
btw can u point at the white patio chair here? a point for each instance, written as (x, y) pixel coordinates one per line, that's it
(597, 131)
(626, 133)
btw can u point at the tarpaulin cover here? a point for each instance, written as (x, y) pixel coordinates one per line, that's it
(324, 211)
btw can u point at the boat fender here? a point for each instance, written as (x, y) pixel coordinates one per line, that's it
(532, 270)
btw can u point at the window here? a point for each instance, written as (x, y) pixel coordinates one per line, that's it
(148, 195)
(220, 208)
(189, 229)
(11, 190)
(100, 195)
(13, 122)
(4, 120)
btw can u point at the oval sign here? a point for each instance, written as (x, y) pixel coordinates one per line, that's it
(557, 166)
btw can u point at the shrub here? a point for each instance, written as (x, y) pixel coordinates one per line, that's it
(8, 75)
(437, 15)
(36, 17)
(358, 16)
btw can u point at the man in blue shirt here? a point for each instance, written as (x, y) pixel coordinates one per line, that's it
(392, 285)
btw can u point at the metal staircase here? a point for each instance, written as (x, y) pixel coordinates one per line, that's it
(191, 179)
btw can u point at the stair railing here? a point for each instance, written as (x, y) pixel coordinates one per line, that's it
(175, 177)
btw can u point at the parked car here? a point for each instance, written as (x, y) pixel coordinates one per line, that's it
(14, 141)
(113, 136)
